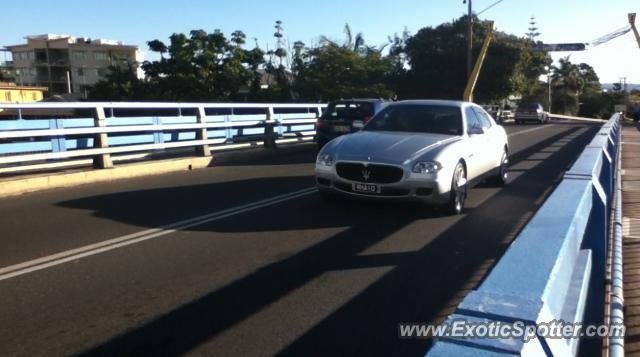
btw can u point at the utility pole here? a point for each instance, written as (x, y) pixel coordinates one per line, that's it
(469, 37)
(623, 86)
(548, 68)
(68, 82)
(550, 99)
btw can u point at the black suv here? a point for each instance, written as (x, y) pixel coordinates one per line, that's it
(345, 116)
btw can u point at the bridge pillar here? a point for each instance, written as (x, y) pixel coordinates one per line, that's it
(269, 134)
(201, 134)
(101, 141)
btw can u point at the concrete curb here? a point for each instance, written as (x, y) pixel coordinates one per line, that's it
(12, 187)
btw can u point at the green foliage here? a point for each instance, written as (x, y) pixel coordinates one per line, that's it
(120, 84)
(438, 57)
(333, 71)
(570, 83)
(531, 65)
(350, 69)
(205, 66)
(199, 67)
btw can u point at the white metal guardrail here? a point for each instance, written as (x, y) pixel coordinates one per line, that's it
(555, 270)
(44, 135)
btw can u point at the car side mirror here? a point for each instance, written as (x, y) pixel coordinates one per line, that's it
(475, 131)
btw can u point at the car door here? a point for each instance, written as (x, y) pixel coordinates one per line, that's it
(474, 154)
(492, 148)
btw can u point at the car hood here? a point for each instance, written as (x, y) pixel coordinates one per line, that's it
(388, 147)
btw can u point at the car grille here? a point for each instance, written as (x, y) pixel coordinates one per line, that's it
(372, 173)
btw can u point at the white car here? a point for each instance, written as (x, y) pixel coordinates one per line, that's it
(430, 151)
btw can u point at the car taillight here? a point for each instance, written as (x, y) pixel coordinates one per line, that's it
(366, 119)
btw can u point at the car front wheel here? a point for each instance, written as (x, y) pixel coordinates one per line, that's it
(503, 171)
(458, 193)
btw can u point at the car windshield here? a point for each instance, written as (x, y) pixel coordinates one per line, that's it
(436, 119)
(349, 110)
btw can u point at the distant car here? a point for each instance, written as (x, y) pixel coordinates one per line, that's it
(494, 111)
(429, 151)
(531, 112)
(344, 117)
(506, 114)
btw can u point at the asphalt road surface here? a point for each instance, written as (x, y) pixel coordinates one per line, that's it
(245, 259)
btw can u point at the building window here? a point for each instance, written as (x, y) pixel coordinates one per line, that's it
(34, 96)
(79, 72)
(102, 72)
(7, 96)
(79, 55)
(101, 56)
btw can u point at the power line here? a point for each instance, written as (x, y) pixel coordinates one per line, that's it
(489, 7)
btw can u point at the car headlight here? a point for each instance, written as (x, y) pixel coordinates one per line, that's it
(325, 160)
(426, 167)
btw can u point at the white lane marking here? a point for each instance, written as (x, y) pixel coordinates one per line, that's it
(114, 243)
(530, 130)
(92, 249)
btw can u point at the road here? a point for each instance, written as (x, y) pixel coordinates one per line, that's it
(265, 268)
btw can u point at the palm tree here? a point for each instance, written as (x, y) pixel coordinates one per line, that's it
(353, 43)
(569, 80)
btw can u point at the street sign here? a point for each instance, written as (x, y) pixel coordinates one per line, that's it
(559, 47)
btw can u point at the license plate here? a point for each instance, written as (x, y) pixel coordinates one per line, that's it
(366, 188)
(342, 128)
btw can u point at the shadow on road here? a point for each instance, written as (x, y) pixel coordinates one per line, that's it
(424, 285)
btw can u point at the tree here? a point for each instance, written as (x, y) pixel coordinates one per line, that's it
(120, 84)
(437, 60)
(199, 67)
(577, 89)
(347, 70)
(531, 65)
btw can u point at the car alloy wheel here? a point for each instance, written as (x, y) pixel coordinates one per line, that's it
(458, 190)
(504, 168)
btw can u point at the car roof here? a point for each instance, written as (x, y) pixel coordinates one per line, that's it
(371, 100)
(451, 103)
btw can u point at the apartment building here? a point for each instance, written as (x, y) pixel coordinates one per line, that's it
(66, 63)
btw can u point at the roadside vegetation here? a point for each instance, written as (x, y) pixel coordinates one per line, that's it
(203, 66)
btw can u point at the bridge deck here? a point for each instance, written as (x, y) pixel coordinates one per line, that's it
(631, 234)
(253, 262)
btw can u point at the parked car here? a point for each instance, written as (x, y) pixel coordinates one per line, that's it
(344, 117)
(494, 111)
(430, 151)
(506, 114)
(531, 112)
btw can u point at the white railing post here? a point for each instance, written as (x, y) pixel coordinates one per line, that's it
(269, 134)
(201, 134)
(101, 141)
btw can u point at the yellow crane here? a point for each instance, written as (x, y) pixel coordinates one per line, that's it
(473, 78)
(632, 23)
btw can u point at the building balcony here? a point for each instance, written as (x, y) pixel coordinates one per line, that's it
(53, 62)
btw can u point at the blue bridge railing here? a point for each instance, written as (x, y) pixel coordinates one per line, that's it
(555, 270)
(45, 134)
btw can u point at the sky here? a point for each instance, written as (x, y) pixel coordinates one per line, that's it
(138, 21)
